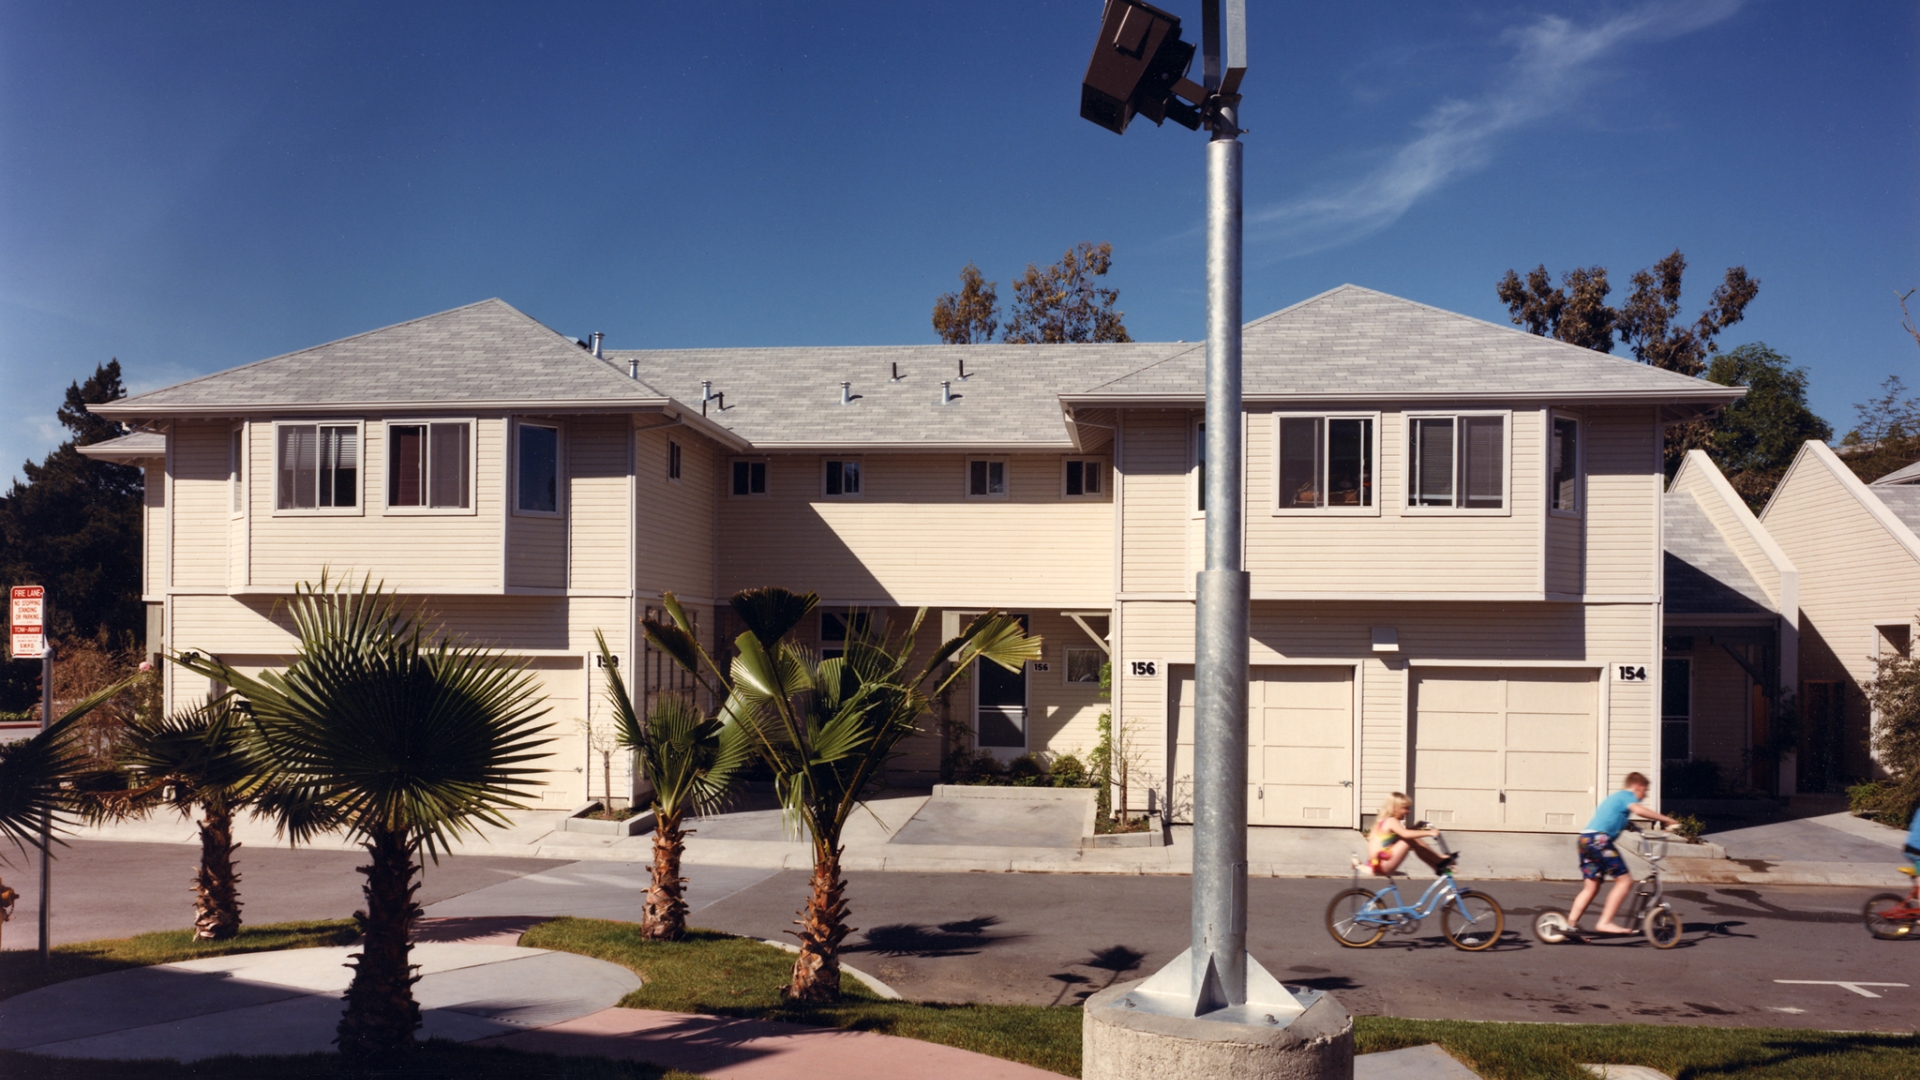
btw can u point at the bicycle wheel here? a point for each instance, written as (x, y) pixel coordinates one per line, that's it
(1662, 927)
(1345, 921)
(1551, 927)
(1479, 928)
(1882, 926)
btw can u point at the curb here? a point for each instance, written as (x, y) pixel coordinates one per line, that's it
(872, 983)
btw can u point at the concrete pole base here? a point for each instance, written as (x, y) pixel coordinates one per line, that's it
(1119, 1043)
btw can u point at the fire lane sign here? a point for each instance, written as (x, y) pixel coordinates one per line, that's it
(27, 616)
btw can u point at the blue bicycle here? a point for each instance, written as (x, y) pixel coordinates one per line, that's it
(1470, 920)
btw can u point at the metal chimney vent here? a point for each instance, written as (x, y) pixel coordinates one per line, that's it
(846, 393)
(946, 391)
(597, 335)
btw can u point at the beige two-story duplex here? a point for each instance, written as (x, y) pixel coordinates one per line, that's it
(1454, 529)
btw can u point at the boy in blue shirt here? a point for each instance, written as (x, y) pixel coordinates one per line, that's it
(1913, 842)
(1599, 859)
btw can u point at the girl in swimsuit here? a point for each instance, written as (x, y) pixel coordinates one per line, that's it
(1389, 841)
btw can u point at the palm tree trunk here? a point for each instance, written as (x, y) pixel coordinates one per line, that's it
(381, 1015)
(665, 916)
(816, 971)
(216, 905)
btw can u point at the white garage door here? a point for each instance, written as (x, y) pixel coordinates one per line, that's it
(563, 681)
(1511, 749)
(1300, 745)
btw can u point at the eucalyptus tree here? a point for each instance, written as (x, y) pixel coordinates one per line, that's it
(828, 727)
(403, 740)
(689, 759)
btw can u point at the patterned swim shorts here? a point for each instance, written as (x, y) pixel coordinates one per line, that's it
(1599, 859)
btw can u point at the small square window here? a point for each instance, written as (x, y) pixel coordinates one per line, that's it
(1458, 462)
(673, 460)
(427, 465)
(1086, 477)
(843, 478)
(539, 472)
(986, 479)
(1326, 463)
(1083, 666)
(749, 478)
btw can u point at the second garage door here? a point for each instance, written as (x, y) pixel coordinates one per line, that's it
(1512, 749)
(1300, 752)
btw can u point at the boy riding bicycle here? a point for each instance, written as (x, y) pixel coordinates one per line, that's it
(1599, 859)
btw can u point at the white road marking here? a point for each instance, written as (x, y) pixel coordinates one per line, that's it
(1856, 987)
(1786, 1009)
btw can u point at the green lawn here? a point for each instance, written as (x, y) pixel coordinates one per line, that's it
(20, 969)
(718, 974)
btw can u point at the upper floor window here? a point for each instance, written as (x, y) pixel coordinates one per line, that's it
(986, 479)
(428, 465)
(1327, 463)
(537, 476)
(749, 478)
(1565, 466)
(318, 467)
(1200, 468)
(673, 460)
(843, 478)
(1086, 477)
(236, 466)
(1457, 462)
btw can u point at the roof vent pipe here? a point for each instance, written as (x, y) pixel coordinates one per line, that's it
(633, 368)
(846, 393)
(706, 391)
(597, 335)
(963, 367)
(896, 371)
(946, 391)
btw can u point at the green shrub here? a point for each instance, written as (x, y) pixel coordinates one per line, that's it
(1886, 802)
(1067, 771)
(1690, 828)
(1027, 770)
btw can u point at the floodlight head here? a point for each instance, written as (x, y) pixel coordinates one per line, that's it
(1136, 62)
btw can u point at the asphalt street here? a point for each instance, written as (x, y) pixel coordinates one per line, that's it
(1055, 938)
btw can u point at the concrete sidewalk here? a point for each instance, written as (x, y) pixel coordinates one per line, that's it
(1829, 849)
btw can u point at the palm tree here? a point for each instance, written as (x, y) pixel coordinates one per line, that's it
(204, 758)
(828, 726)
(689, 759)
(38, 775)
(404, 742)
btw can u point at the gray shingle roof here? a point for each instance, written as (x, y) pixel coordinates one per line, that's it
(139, 446)
(1903, 500)
(791, 396)
(484, 353)
(1704, 576)
(1908, 475)
(1354, 343)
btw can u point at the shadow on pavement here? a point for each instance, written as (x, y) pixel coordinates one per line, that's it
(964, 938)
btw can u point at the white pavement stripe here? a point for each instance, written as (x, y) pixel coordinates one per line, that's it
(1856, 987)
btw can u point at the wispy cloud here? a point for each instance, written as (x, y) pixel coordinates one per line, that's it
(1552, 60)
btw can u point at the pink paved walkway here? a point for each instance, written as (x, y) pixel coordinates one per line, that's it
(726, 1049)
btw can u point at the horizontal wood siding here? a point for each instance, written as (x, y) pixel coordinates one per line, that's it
(408, 552)
(201, 500)
(676, 518)
(1154, 468)
(1565, 540)
(1624, 483)
(913, 537)
(598, 452)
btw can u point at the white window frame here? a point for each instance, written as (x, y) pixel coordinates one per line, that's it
(674, 462)
(826, 464)
(473, 460)
(237, 472)
(1506, 467)
(1066, 665)
(1196, 467)
(559, 468)
(1106, 478)
(1006, 478)
(1579, 466)
(1279, 509)
(765, 464)
(359, 507)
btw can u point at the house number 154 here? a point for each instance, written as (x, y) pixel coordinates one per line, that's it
(1633, 673)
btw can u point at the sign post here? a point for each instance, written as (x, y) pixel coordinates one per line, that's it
(27, 640)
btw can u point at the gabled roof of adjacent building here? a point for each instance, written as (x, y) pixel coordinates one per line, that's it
(128, 449)
(1908, 475)
(1346, 345)
(1903, 500)
(1704, 575)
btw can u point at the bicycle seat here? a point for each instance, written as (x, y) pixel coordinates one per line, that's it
(1910, 871)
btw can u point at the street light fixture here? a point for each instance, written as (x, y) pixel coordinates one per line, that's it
(1139, 67)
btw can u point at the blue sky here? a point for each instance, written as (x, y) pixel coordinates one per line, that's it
(190, 186)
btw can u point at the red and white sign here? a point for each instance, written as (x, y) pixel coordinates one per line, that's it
(27, 617)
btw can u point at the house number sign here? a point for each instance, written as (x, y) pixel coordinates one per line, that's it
(1630, 672)
(1146, 669)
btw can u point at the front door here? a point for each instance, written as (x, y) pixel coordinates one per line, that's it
(1000, 707)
